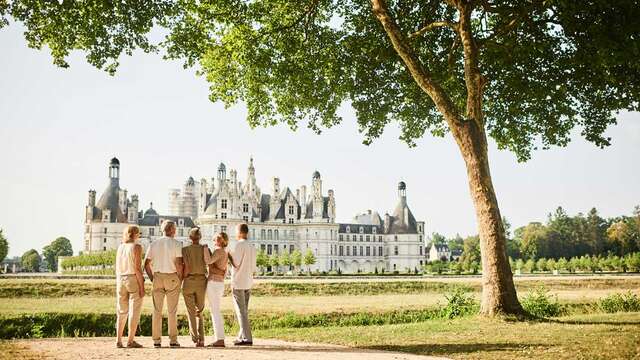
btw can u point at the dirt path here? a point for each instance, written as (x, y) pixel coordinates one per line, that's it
(104, 348)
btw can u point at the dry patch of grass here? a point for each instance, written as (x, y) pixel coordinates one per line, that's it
(16, 351)
(594, 336)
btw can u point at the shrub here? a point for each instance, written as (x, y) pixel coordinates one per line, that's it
(539, 303)
(459, 303)
(620, 302)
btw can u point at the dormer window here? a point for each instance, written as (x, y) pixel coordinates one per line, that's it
(223, 204)
(361, 230)
(291, 210)
(348, 229)
(180, 222)
(374, 229)
(245, 207)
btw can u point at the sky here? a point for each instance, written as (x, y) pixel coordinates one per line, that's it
(60, 127)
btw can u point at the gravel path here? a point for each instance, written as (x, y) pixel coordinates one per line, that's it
(104, 348)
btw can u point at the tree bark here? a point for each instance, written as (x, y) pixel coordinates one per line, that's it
(498, 290)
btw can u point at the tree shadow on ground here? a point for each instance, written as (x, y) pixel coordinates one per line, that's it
(449, 349)
(590, 322)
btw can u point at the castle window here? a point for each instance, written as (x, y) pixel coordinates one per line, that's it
(180, 223)
(361, 252)
(340, 250)
(340, 237)
(104, 248)
(395, 250)
(105, 240)
(181, 232)
(104, 230)
(269, 234)
(291, 210)
(263, 248)
(269, 250)
(275, 234)
(368, 251)
(348, 229)
(151, 231)
(355, 250)
(223, 215)
(361, 238)
(245, 218)
(245, 207)
(223, 204)
(348, 251)
(380, 238)
(223, 228)
(368, 238)
(395, 237)
(380, 251)
(374, 229)
(263, 234)
(419, 228)
(290, 220)
(420, 238)
(420, 250)
(292, 248)
(361, 230)
(275, 249)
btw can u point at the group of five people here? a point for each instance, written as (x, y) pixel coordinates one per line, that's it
(196, 270)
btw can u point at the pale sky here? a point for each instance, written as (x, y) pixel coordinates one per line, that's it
(60, 127)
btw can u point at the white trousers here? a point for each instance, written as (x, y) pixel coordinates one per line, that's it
(215, 291)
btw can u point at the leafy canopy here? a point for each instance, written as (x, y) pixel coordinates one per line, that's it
(550, 65)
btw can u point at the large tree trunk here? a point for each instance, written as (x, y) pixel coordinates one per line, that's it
(498, 291)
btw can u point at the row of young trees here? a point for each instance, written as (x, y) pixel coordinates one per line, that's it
(101, 259)
(585, 263)
(295, 259)
(562, 236)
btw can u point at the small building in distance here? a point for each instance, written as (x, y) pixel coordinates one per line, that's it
(439, 252)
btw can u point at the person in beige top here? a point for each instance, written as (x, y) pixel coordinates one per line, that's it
(163, 265)
(129, 285)
(194, 285)
(217, 262)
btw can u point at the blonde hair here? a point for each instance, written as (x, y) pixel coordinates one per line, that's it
(166, 225)
(225, 239)
(195, 234)
(129, 233)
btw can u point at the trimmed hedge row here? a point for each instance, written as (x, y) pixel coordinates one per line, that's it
(81, 325)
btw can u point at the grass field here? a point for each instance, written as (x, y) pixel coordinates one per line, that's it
(593, 336)
(583, 334)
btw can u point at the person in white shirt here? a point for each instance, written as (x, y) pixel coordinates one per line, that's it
(243, 264)
(163, 264)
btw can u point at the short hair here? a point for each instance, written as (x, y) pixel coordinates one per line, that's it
(129, 232)
(195, 234)
(243, 228)
(166, 225)
(225, 238)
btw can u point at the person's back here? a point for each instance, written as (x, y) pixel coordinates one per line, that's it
(243, 266)
(164, 267)
(125, 259)
(244, 261)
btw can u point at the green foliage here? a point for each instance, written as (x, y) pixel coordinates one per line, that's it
(89, 261)
(31, 261)
(58, 247)
(296, 258)
(539, 303)
(437, 267)
(470, 259)
(262, 260)
(621, 302)
(459, 303)
(4, 246)
(291, 61)
(309, 259)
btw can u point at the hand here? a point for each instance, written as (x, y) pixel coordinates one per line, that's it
(141, 292)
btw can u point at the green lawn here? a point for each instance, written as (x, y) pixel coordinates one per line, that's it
(594, 336)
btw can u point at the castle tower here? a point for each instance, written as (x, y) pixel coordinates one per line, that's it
(174, 202)
(316, 188)
(222, 175)
(114, 172)
(132, 210)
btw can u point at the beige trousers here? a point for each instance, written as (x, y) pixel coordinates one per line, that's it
(165, 285)
(193, 291)
(129, 304)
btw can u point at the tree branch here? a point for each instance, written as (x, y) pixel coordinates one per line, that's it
(419, 73)
(433, 25)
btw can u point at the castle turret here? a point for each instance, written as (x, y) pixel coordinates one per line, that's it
(114, 171)
(316, 185)
(92, 198)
